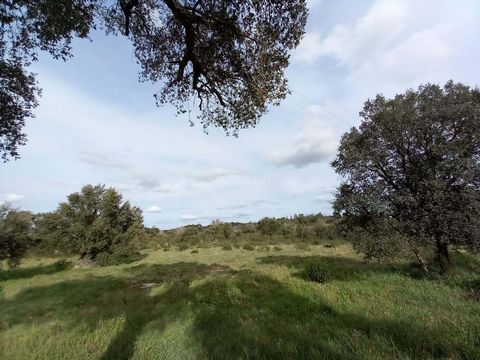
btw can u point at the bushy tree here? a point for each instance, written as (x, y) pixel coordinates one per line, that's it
(412, 173)
(268, 226)
(49, 231)
(93, 221)
(15, 234)
(228, 55)
(227, 231)
(220, 230)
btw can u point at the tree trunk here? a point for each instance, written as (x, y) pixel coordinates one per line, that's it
(443, 257)
(419, 257)
(422, 262)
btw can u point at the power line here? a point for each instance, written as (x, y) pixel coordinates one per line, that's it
(344, 121)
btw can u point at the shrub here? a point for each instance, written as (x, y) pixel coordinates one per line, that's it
(166, 249)
(120, 256)
(183, 247)
(220, 230)
(301, 231)
(194, 251)
(277, 248)
(267, 226)
(325, 231)
(227, 247)
(317, 271)
(287, 230)
(15, 234)
(248, 228)
(248, 247)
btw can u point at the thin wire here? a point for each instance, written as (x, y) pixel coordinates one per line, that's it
(324, 107)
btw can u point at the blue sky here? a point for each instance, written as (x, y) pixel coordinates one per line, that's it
(97, 124)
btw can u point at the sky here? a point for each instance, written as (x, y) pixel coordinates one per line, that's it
(96, 124)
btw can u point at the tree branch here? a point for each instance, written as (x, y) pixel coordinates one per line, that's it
(187, 18)
(127, 7)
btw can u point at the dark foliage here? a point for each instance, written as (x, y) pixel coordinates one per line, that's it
(268, 231)
(117, 256)
(412, 173)
(94, 223)
(317, 271)
(228, 57)
(27, 27)
(18, 97)
(15, 234)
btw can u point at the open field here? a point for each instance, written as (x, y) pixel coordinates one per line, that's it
(239, 304)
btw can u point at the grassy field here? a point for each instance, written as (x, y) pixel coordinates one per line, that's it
(239, 304)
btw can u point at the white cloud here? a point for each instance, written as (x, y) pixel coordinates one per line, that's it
(10, 198)
(150, 183)
(353, 44)
(213, 174)
(103, 160)
(316, 143)
(153, 209)
(310, 48)
(190, 217)
(413, 59)
(232, 207)
(241, 215)
(398, 43)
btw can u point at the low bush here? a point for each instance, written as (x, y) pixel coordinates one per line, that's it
(248, 247)
(194, 251)
(183, 247)
(277, 248)
(121, 256)
(317, 271)
(227, 247)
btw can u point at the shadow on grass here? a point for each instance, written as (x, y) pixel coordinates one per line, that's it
(255, 317)
(344, 268)
(463, 274)
(235, 315)
(28, 272)
(82, 303)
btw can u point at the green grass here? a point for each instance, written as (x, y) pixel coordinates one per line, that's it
(239, 304)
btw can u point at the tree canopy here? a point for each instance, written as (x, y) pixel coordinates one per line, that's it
(15, 234)
(412, 173)
(91, 223)
(228, 57)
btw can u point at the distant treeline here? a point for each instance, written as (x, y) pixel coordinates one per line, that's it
(313, 229)
(97, 224)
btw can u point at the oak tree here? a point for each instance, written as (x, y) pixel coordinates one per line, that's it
(412, 173)
(227, 57)
(93, 222)
(15, 234)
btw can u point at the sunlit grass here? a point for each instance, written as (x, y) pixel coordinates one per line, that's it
(230, 304)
